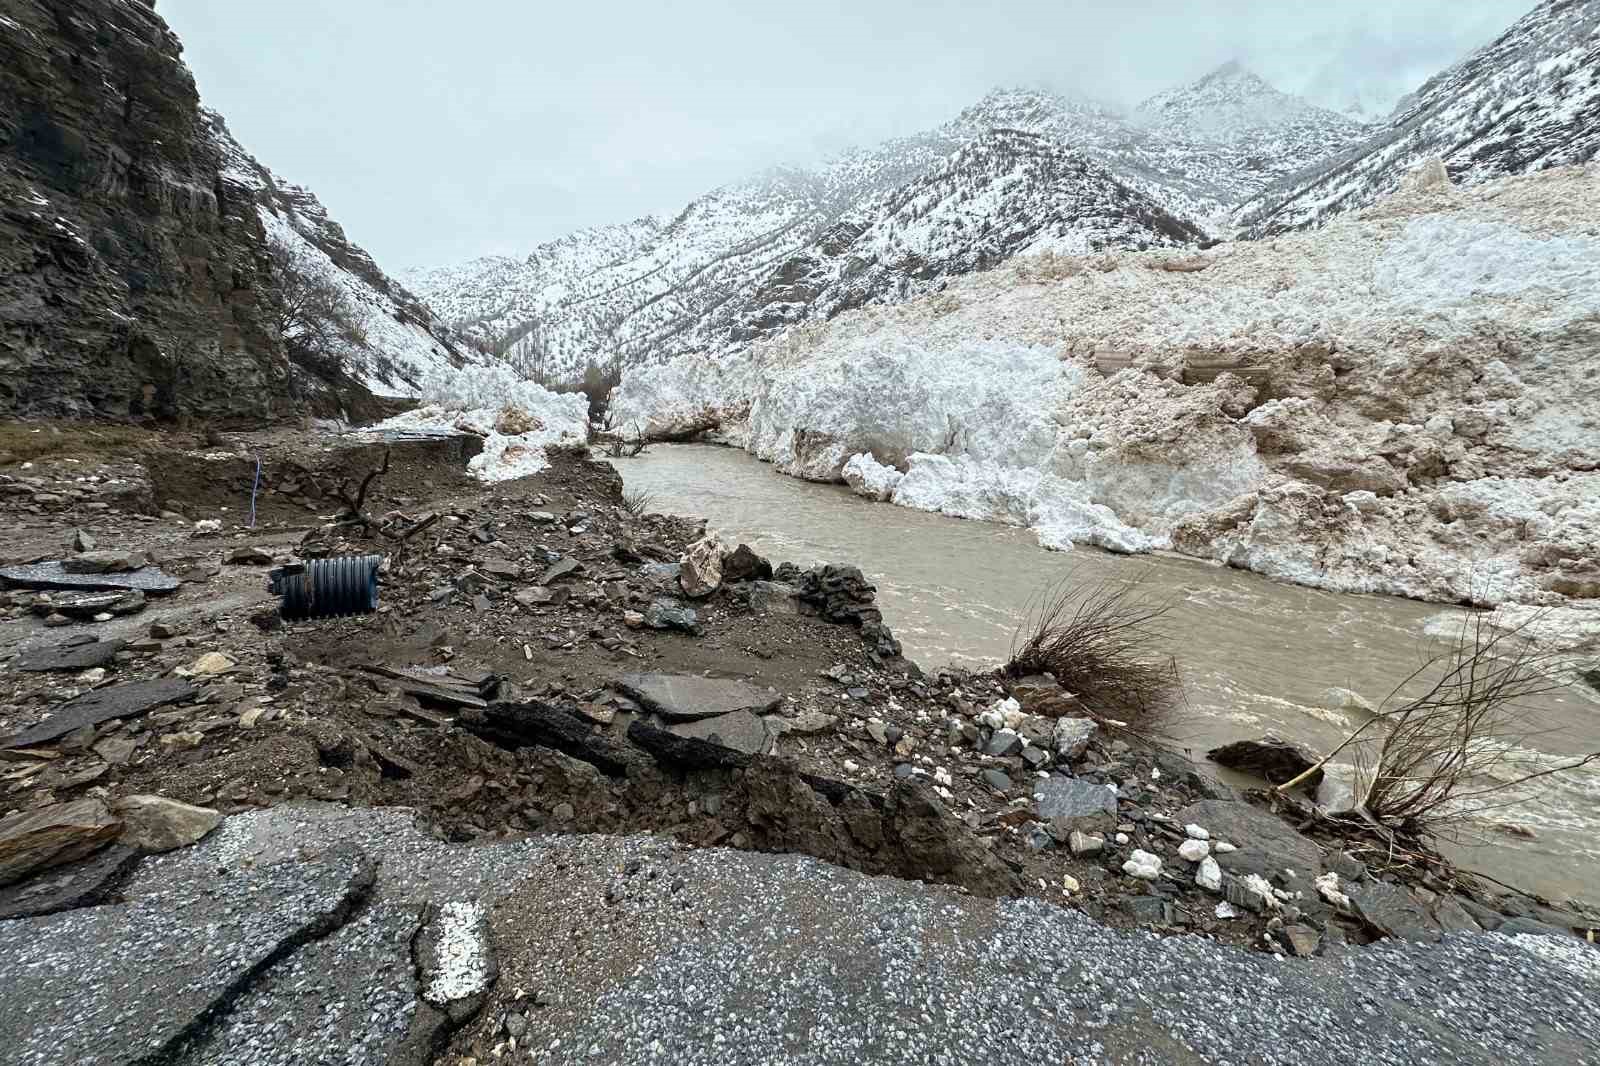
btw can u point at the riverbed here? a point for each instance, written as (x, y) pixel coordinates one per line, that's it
(1255, 654)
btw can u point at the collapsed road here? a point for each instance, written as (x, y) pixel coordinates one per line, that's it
(228, 837)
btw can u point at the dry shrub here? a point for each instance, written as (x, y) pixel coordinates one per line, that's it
(1105, 644)
(637, 502)
(1449, 753)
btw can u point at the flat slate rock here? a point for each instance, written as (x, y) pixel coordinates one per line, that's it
(102, 705)
(75, 655)
(1266, 845)
(1059, 796)
(739, 730)
(685, 697)
(1393, 911)
(688, 753)
(81, 884)
(52, 576)
(126, 983)
(35, 840)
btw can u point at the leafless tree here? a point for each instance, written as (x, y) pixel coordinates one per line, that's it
(315, 317)
(528, 355)
(1436, 757)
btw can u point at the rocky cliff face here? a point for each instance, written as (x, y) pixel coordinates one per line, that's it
(133, 278)
(1004, 194)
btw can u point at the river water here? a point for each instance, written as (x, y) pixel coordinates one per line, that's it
(1255, 654)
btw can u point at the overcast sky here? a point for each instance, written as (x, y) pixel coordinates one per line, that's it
(439, 131)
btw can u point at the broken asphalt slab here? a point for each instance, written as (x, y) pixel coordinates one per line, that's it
(130, 983)
(147, 579)
(64, 888)
(638, 950)
(686, 697)
(73, 654)
(100, 705)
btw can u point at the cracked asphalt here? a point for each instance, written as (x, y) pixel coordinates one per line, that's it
(635, 950)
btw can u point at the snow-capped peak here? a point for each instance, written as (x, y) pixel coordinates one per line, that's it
(1231, 104)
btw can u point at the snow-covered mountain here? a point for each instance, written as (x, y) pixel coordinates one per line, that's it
(1005, 193)
(1021, 169)
(404, 338)
(1527, 101)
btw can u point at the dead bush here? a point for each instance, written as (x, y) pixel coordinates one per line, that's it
(1448, 752)
(1105, 644)
(637, 502)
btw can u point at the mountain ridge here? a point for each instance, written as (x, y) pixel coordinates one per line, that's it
(649, 289)
(1528, 100)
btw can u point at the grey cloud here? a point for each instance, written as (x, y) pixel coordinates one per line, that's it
(438, 132)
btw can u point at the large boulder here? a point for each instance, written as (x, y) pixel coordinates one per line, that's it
(701, 572)
(156, 823)
(1272, 758)
(31, 841)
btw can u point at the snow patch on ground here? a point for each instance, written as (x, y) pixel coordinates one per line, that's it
(517, 419)
(1405, 419)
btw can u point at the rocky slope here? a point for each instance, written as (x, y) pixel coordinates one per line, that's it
(403, 339)
(998, 178)
(1389, 405)
(1527, 101)
(135, 278)
(132, 272)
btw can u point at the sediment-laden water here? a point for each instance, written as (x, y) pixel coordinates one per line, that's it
(1256, 654)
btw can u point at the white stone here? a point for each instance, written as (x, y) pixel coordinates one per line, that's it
(1209, 875)
(1194, 850)
(1143, 865)
(1122, 838)
(1262, 889)
(1070, 883)
(1196, 832)
(1226, 910)
(1328, 888)
(1222, 847)
(700, 570)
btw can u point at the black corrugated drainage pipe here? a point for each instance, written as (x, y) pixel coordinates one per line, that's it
(327, 588)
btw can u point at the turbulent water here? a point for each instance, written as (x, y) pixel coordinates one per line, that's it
(1255, 654)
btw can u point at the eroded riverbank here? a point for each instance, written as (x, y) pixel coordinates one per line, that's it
(1256, 654)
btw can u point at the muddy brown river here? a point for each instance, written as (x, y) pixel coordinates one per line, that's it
(1255, 654)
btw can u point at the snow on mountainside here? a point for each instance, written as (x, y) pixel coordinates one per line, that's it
(1005, 192)
(1527, 101)
(405, 340)
(1391, 404)
(643, 291)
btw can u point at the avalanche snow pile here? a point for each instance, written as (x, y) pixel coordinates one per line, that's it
(1402, 402)
(517, 419)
